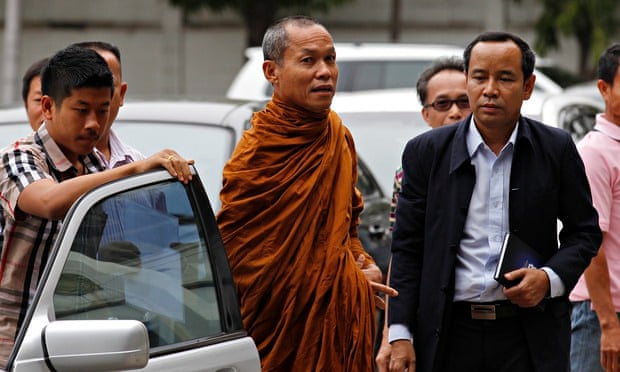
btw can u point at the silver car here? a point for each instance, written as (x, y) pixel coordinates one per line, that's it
(138, 278)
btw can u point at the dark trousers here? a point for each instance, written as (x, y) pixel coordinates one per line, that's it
(475, 345)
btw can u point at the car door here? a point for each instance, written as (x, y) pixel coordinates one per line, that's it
(138, 278)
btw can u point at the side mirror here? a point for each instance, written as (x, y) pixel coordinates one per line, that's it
(96, 345)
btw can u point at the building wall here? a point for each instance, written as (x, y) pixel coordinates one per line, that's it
(164, 57)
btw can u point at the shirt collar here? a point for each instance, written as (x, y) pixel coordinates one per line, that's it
(606, 127)
(57, 158)
(475, 141)
(119, 154)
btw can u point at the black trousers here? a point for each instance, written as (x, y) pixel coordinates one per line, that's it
(475, 345)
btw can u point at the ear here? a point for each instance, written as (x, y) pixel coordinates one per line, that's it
(123, 91)
(270, 70)
(603, 88)
(426, 115)
(528, 87)
(47, 107)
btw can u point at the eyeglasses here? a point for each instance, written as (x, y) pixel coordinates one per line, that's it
(444, 104)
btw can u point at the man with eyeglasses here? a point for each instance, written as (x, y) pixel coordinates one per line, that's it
(442, 93)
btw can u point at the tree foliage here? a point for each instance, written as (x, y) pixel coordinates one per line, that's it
(257, 15)
(591, 22)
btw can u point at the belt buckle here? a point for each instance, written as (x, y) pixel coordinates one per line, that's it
(483, 312)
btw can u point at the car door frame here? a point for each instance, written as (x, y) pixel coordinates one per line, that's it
(29, 345)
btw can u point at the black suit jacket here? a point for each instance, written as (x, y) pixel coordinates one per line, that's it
(547, 183)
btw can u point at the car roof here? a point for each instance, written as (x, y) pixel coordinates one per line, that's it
(211, 112)
(168, 110)
(249, 83)
(406, 100)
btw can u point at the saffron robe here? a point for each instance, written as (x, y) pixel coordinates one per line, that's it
(289, 219)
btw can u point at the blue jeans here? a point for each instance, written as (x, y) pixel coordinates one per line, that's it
(585, 347)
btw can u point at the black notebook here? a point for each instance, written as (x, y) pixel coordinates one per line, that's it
(515, 254)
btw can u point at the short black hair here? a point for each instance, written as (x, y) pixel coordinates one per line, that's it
(33, 71)
(608, 64)
(438, 65)
(74, 67)
(528, 59)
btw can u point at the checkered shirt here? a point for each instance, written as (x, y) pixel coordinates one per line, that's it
(28, 239)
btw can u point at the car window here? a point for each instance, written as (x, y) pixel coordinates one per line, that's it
(366, 182)
(209, 145)
(142, 255)
(370, 75)
(364, 185)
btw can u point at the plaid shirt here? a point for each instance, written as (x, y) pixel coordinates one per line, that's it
(28, 239)
(398, 180)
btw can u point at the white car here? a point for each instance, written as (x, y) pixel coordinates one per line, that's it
(139, 277)
(154, 293)
(364, 67)
(572, 111)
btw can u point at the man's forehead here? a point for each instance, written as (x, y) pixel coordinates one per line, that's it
(507, 49)
(307, 33)
(90, 94)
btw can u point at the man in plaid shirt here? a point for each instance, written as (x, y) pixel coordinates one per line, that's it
(39, 176)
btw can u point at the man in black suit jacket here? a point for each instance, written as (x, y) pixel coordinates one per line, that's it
(465, 186)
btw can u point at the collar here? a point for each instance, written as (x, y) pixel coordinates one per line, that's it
(475, 141)
(118, 153)
(469, 140)
(606, 127)
(57, 158)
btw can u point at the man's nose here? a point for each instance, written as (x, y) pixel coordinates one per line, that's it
(92, 121)
(324, 70)
(455, 111)
(490, 88)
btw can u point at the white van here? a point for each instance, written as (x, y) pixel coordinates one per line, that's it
(364, 67)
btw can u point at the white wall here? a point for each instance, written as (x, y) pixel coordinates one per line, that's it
(160, 58)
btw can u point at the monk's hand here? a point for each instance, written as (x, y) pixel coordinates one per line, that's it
(532, 287)
(375, 278)
(403, 356)
(373, 272)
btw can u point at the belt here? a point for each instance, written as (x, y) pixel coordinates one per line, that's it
(486, 310)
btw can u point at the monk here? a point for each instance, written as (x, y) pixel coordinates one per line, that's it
(290, 215)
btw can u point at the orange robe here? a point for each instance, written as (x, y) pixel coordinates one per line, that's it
(289, 218)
